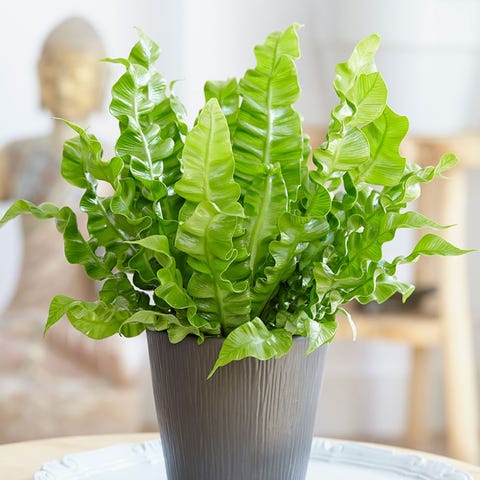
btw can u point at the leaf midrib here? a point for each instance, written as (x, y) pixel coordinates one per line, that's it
(121, 233)
(374, 155)
(140, 131)
(259, 220)
(206, 177)
(219, 297)
(278, 271)
(258, 223)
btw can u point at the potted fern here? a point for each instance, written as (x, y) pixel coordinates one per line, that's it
(232, 254)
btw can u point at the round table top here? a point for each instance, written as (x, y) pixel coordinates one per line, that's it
(19, 461)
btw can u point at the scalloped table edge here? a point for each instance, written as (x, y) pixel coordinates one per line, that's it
(381, 458)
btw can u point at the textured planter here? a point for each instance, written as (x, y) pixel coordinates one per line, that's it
(252, 420)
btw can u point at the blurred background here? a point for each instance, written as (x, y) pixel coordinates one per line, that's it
(67, 384)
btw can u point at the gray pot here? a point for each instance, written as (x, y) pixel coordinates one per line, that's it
(253, 420)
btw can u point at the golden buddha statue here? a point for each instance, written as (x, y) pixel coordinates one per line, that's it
(66, 368)
(71, 86)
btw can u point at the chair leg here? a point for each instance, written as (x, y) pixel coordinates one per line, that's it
(461, 399)
(418, 415)
(461, 396)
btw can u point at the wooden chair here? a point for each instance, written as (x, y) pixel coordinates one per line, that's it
(446, 322)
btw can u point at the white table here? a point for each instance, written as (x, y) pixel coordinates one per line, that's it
(19, 461)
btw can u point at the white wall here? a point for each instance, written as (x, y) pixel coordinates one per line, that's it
(220, 35)
(429, 48)
(200, 40)
(24, 24)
